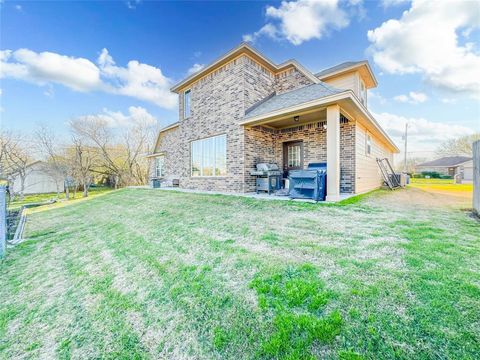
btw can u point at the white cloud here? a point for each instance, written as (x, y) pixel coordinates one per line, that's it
(195, 68)
(132, 4)
(49, 92)
(268, 30)
(116, 119)
(388, 3)
(1, 92)
(449, 100)
(46, 67)
(18, 7)
(412, 98)
(138, 80)
(374, 96)
(141, 81)
(425, 40)
(401, 98)
(302, 20)
(423, 134)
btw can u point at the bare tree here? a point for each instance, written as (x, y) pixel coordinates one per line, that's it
(459, 146)
(138, 140)
(5, 139)
(83, 163)
(120, 151)
(15, 158)
(57, 164)
(94, 131)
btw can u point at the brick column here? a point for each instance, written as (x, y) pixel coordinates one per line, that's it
(333, 153)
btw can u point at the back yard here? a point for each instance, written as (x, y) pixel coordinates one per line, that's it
(155, 274)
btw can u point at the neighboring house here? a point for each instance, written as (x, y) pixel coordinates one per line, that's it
(449, 165)
(243, 109)
(39, 179)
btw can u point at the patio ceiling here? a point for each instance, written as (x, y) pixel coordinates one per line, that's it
(315, 110)
(290, 120)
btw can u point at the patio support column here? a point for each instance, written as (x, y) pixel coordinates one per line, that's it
(333, 153)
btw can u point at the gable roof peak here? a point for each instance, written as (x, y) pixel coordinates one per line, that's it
(362, 65)
(243, 47)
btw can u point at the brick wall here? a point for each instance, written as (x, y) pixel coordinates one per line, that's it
(218, 104)
(290, 79)
(259, 147)
(168, 144)
(266, 145)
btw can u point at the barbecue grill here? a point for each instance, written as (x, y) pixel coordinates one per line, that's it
(268, 177)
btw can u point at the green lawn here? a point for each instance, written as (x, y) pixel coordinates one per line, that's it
(443, 186)
(39, 198)
(156, 274)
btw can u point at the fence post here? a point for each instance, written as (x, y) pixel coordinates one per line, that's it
(476, 177)
(3, 219)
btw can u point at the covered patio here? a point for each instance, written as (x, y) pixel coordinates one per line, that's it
(316, 123)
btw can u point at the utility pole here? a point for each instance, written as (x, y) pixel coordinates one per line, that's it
(405, 138)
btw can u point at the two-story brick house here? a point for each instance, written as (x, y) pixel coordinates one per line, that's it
(243, 109)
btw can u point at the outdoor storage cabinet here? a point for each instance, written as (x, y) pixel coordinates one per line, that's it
(308, 184)
(155, 183)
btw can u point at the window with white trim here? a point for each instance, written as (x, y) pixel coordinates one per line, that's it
(159, 166)
(363, 93)
(186, 104)
(294, 156)
(368, 144)
(209, 156)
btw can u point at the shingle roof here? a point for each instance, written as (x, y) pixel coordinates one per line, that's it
(339, 67)
(291, 98)
(447, 161)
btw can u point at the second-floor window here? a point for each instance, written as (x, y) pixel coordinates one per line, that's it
(363, 93)
(186, 104)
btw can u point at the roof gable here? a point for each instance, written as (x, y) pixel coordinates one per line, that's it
(362, 66)
(243, 49)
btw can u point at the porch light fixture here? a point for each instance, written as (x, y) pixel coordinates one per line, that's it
(296, 118)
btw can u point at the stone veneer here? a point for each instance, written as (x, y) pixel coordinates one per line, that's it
(218, 103)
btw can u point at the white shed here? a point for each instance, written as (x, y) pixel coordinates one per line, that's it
(39, 180)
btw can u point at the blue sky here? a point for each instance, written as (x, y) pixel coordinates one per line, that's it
(54, 66)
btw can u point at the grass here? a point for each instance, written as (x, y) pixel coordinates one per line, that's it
(40, 198)
(155, 274)
(443, 186)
